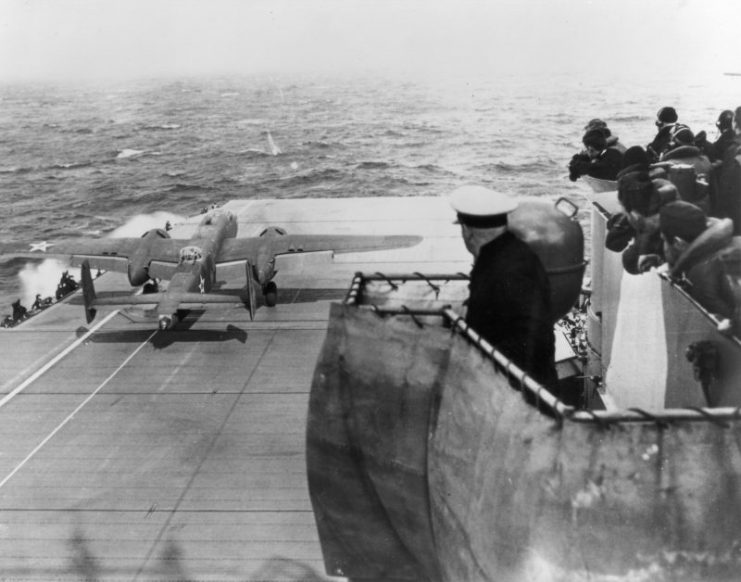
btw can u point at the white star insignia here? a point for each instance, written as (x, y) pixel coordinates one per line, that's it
(41, 247)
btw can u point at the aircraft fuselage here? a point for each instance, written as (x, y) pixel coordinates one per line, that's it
(196, 269)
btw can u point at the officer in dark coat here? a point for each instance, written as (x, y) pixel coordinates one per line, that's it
(510, 300)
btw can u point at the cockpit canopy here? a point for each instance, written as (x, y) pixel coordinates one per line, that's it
(190, 255)
(214, 213)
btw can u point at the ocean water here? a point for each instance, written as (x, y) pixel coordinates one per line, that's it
(86, 160)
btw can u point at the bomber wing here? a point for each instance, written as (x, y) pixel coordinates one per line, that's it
(239, 249)
(102, 253)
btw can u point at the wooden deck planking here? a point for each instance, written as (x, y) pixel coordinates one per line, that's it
(189, 462)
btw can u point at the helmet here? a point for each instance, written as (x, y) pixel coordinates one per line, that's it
(667, 115)
(725, 120)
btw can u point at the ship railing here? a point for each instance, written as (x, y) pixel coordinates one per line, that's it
(721, 416)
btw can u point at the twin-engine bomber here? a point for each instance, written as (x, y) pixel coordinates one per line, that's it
(191, 264)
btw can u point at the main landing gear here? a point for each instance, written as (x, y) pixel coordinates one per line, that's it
(151, 286)
(270, 293)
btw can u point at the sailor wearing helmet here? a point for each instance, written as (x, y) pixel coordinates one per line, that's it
(509, 302)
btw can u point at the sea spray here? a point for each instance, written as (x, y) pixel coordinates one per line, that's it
(141, 223)
(42, 278)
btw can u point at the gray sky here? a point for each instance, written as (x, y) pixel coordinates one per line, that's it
(69, 39)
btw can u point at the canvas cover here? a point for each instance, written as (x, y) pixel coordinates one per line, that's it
(425, 463)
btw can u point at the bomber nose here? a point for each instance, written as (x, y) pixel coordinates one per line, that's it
(167, 321)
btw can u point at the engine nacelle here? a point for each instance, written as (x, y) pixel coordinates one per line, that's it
(138, 270)
(138, 274)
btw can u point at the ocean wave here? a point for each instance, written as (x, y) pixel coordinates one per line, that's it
(313, 177)
(514, 168)
(373, 165)
(432, 168)
(253, 152)
(251, 121)
(424, 127)
(165, 126)
(628, 119)
(321, 144)
(71, 165)
(182, 187)
(17, 170)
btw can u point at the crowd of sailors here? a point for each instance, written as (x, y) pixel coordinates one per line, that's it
(680, 199)
(20, 312)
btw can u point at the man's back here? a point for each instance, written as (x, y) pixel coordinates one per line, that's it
(510, 305)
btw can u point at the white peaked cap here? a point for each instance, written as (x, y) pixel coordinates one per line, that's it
(480, 202)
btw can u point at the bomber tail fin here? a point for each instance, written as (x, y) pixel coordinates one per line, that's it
(251, 296)
(88, 291)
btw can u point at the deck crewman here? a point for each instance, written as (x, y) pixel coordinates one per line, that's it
(509, 303)
(598, 159)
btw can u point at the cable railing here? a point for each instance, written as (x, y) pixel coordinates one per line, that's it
(542, 397)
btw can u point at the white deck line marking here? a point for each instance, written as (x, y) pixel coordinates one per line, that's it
(75, 411)
(176, 369)
(35, 376)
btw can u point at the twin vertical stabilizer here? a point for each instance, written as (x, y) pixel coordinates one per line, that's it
(88, 291)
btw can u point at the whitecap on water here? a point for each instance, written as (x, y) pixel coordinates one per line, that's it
(128, 153)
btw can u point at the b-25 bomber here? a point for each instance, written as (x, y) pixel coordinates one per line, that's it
(191, 265)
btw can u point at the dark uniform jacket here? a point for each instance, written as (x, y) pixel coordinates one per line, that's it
(706, 274)
(607, 165)
(717, 149)
(661, 142)
(510, 306)
(688, 155)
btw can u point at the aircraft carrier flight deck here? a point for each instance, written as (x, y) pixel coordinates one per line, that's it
(130, 453)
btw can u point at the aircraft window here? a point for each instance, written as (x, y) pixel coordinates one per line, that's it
(190, 255)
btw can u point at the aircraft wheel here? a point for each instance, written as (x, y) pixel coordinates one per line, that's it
(271, 294)
(150, 287)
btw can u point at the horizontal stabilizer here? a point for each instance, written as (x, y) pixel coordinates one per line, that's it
(178, 297)
(200, 298)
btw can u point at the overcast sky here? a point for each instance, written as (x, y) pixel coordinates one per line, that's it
(68, 39)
